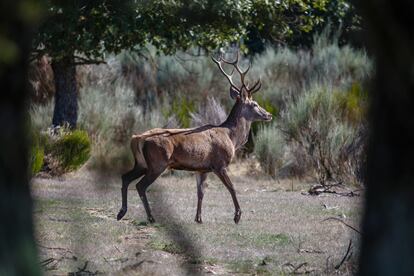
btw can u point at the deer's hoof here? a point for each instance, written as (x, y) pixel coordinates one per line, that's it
(198, 220)
(237, 216)
(121, 213)
(151, 219)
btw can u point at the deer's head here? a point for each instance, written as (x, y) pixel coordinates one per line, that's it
(249, 109)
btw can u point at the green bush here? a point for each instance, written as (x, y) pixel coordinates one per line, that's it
(72, 149)
(182, 109)
(353, 103)
(37, 155)
(269, 149)
(38, 148)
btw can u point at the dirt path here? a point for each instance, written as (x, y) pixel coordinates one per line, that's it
(281, 231)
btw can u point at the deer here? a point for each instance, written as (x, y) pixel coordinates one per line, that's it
(205, 149)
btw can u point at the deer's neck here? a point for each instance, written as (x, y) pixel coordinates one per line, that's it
(238, 126)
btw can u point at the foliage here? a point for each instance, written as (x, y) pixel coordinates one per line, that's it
(37, 153)
(89, 29)
(133, 93)
(315, 122)
(182, 108)
(287, 73)
(40, 115)
(295, 23)
(110, 116)
(72, 149)
(211, 112)
(353, 102)
(269, 149)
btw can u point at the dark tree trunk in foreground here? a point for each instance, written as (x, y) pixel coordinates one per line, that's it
(388, 224)
(17, 247)
(66, 93)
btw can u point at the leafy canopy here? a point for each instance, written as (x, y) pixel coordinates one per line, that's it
(88, 29)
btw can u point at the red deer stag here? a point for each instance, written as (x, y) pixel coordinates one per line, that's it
(202, 149)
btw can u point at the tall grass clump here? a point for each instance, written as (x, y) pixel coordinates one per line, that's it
(270, 149)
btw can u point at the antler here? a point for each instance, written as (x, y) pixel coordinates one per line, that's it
(242, 74)
(229, 77)
(256, 87)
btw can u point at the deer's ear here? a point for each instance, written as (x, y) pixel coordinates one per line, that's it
(234, 94)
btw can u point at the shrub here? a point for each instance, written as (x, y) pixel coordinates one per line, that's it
(353, 102)
(72, 149)
(211, 112)
(316, 123)
(41, 116)
(182, 109)
(269, 149)
(286, 74)
(37, 154)
(317, 93)
(110, 115)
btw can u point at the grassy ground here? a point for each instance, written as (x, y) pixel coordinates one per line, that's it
(281, 230)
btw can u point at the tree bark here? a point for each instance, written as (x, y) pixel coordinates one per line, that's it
(66, 93)
(17, 247)
(388, 224)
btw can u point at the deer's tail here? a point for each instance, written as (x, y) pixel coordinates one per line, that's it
(137, 143)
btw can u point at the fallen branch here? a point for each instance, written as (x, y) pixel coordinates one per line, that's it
(83, 271)
(343, 222)
(346, 254)
(319, 189)
(54, 248)
(298, 267)
(310, 250)
(328, 207)
(47, 261)
(295, 269)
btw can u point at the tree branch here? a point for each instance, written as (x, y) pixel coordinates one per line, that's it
(346, 255)
(337, 219)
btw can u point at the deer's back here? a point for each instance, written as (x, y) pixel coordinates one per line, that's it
(197, 149)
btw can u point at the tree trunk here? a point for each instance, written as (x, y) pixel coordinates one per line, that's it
(66, 93)
(388, 223)
(17, 247)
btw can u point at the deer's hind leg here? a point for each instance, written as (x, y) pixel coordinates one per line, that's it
(156, 158)
(127, 178)
(201, 185)
(142, 186)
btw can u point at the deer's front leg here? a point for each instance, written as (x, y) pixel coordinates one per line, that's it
(222, 174)
(201, 182)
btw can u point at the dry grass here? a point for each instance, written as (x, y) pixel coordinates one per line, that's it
(280, 228)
